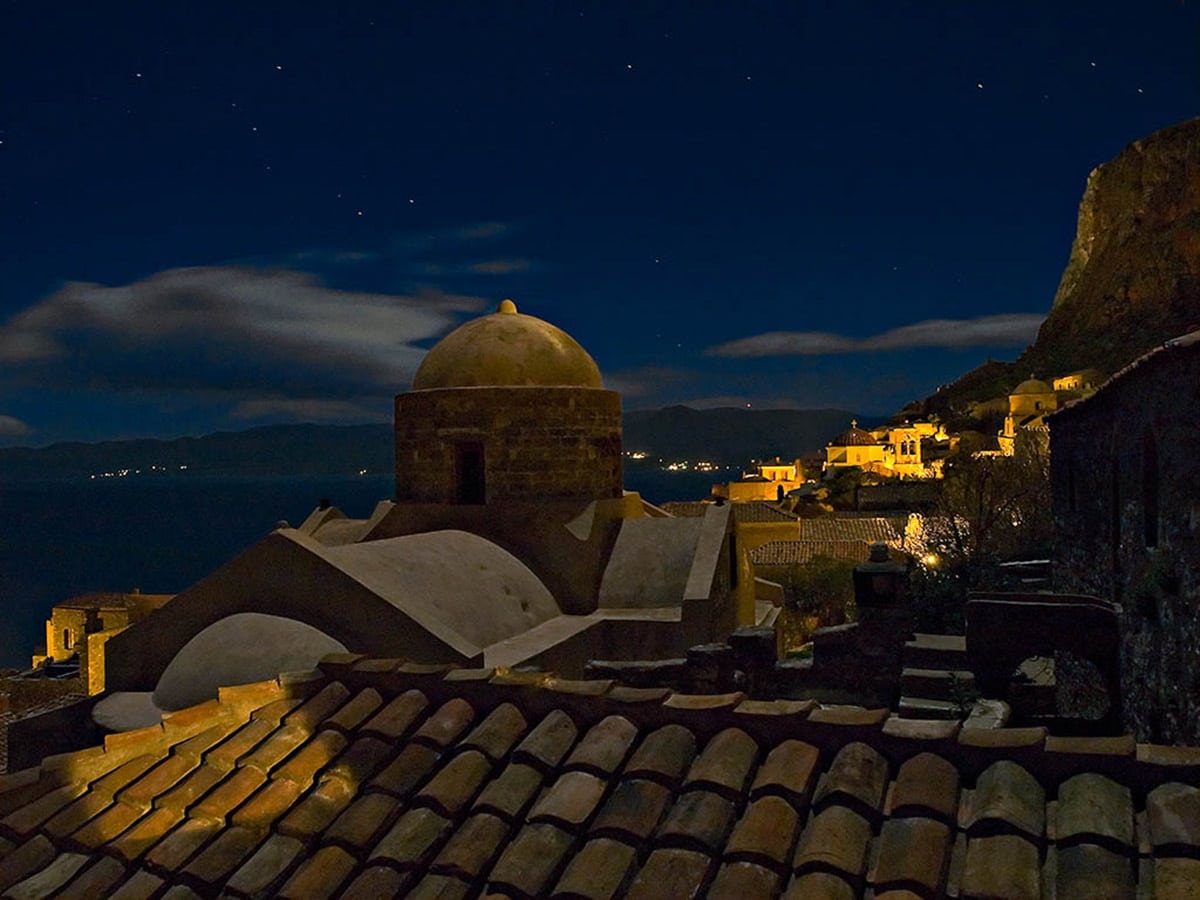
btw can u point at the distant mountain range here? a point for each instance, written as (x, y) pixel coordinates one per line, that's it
(728, 436)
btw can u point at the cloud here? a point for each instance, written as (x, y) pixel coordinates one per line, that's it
(243, 331)
(11, 426)
(500, 266)
(1010, 329)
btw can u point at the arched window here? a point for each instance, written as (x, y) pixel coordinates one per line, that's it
(66, 638)
(1149, 488)
(470, 472)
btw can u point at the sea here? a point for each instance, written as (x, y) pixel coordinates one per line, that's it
(162, 533)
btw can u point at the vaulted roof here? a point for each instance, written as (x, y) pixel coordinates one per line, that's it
(374, 778)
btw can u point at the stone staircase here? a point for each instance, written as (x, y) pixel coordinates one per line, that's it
(935, 679)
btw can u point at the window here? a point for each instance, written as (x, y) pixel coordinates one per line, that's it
(469, 473)
(66, 638)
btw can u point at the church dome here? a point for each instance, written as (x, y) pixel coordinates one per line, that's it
(854, 437)
(1033, 386)
(507, 349)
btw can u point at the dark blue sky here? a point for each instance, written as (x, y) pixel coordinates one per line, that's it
(216, 215)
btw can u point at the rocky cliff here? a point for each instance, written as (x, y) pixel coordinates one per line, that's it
(1132, 280)
(1133, 277)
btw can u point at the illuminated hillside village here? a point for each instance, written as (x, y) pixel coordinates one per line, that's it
(514, 653)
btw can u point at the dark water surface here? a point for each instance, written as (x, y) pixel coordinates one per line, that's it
(162, 534)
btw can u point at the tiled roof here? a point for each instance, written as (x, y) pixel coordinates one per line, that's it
(786, 553)
(849, 528)
(372, 778)
(759, 511)
(743, 510)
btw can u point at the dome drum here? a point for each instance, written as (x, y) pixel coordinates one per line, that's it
(486, 444)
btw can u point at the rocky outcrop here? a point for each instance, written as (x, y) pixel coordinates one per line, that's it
(1133, 277)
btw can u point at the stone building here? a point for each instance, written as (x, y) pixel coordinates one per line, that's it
(1125, 481)
(510, 542)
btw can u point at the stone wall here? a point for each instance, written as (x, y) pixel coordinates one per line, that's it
(1125, 483)
(538, 442)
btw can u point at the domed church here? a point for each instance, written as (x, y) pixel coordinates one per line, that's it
(509, 542)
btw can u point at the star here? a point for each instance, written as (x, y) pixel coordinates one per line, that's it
(360, 212)
(979, 85)
(279, 68)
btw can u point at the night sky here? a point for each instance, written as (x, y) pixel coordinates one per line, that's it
(220, 215)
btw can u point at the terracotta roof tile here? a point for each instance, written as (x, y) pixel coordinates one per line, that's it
(268, 804)
(106, 826)
(725, 763)
(409, 769)
(30, 857)
(765, 835)
(376, 882)
(226, 754)
(699, 820)
(510, 794)
(913, 852)
(393, 721)
(23, 821)
(857, 777)
(75, 815)
(319, 706)
(837, 839)
(604, 747)
(570, 801)
(926, 785)
(789, 772)
(664, 755)
(530, 863)
(275, 711)
(228, 795)
(360, 760)
(303, 766)
(819, 886)
(141, 885)
(549, 741)
(363, 822)
(221, 858)
(413, 840)
(317, 811)
(263, 872)
(671, 873)
(180, 892)
(197, 745)
(473, 847)
(632, 811)
(497, 733)
(1176, 879)
(145, 834)
(48, 880)
(739, 880)
(1002, 866)
(1086, 870)
(1094, 808)
(319, 876)
(439, 887)
(123, 775)
(276, 748)
(97, 880)
(173, 851)
(145, 790)
(1007, 800)
(445, 726)
(1174, 815)
(456, 783)
(597, 871)
(356, 711)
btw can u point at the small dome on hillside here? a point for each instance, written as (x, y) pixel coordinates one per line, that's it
(1033, 386)
(507, 349)
(855, 437)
